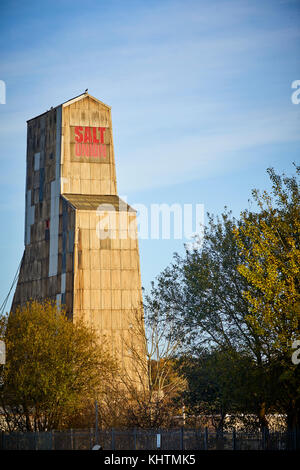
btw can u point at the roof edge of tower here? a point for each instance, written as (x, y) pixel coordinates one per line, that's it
(69, 102)
(80, 97)
(92, 202)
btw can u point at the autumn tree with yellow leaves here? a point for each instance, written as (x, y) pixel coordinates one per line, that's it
(55, 368)
(270, 245)
(235, 295)
(269, 241)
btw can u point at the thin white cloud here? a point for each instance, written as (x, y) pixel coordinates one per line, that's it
(177, 76)
(197, 157)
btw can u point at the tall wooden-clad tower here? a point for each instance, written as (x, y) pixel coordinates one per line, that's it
(81, 245)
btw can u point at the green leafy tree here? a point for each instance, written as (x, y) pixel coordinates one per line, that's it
(202, 292)
(224, 388)
(54, 367)
(269, 242)
(270, 246)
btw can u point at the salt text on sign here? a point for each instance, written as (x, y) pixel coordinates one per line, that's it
(89, 141)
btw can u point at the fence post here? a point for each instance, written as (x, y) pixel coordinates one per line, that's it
(96, 421)
(181, 438)
(112, 439)
(234, 439)
(91, 439)
(205, 438)
(52, 440)
(134, 437)
(265, 436)
(158, 439)
(72, 439)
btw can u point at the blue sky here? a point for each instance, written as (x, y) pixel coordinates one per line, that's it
(200, 94)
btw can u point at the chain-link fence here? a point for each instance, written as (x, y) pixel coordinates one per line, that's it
(141, 439)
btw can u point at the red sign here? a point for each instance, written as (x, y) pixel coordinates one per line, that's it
(89, 142)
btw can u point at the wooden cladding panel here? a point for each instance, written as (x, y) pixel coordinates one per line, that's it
(113, 289)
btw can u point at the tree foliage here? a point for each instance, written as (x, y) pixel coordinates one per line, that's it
(235, 295)
(270, 245)
(54, 367)
(202, 293)
(269, 241)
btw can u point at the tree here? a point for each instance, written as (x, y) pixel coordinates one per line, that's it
(148, 392)
(210, 395)
(269, 242)
(54, 367)
(270, 245)
(224, 388)
(202, 294)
